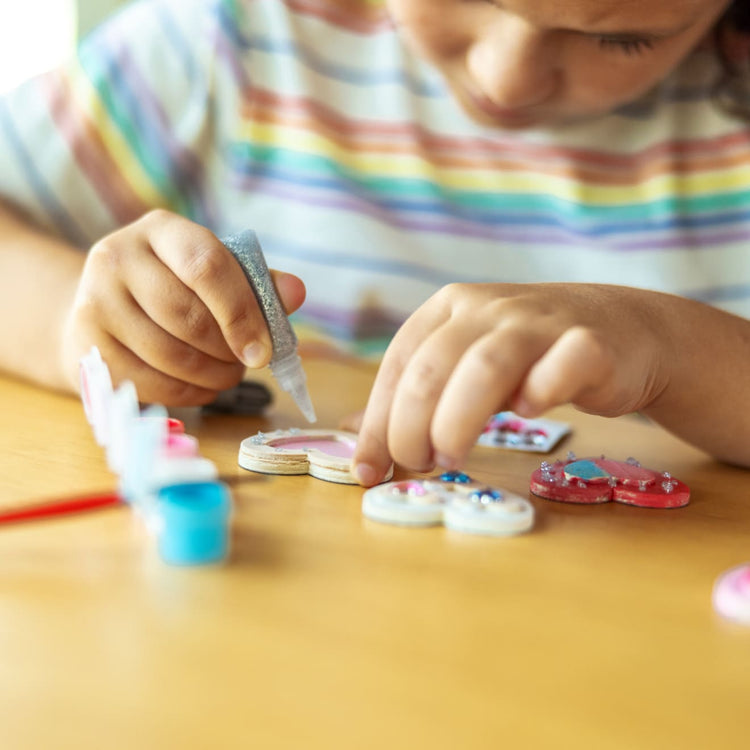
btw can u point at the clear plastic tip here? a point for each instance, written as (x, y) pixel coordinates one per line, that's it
(302, 399)
(291, 377)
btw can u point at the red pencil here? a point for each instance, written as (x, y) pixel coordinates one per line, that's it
(60, 507)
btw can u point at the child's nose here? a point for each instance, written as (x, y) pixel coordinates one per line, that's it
(512, 64)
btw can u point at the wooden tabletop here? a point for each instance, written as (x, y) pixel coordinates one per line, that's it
(327, 630)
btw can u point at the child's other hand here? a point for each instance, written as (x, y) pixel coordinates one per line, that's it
(352, 422)
(475, 349)
(170, 309)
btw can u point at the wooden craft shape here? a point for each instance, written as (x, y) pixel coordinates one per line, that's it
(601, 480)
(452, 499)
(324, 454)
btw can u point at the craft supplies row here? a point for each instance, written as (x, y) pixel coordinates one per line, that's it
(161, 473)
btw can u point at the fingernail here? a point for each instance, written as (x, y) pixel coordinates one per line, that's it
(365, 474)
(255, 355)
(446, 462)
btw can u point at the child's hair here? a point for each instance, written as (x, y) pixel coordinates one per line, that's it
(733, 44)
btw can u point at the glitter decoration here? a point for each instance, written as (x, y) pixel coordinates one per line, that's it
(600, 480)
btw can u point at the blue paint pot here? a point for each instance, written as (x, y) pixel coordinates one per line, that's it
(194, 522)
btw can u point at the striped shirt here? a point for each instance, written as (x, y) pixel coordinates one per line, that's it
(310, 122)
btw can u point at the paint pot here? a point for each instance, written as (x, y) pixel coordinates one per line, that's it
(181, 469)
(194, 523)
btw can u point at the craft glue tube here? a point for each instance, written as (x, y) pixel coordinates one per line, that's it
(286, 365)
(194, 523)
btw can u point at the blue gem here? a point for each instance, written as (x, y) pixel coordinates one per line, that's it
(486, 495)
(456, 477)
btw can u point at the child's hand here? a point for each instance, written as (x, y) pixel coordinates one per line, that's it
(170, 309)
(475, 349)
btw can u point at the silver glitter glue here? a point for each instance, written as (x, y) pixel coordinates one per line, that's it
(285, 364)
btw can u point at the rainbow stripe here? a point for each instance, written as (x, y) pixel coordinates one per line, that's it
(310, 122)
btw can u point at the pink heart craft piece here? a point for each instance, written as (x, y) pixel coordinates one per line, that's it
(324, 454)
(602, 480)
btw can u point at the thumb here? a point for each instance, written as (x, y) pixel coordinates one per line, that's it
(291, 290)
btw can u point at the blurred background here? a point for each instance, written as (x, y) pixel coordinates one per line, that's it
(36, 35)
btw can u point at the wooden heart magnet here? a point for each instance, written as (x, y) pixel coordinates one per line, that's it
(601, 480)
(324, 454)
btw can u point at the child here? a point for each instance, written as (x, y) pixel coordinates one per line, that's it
(552, 196)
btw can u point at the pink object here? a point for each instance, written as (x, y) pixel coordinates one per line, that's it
(331, 446)
(601, 480)
(325, 454)
(179, 445)
(731, 594)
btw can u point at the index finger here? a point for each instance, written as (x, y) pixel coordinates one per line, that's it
(372, 457)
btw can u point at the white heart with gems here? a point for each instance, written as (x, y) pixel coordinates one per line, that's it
(459, 504)
(488, 511)
(406, 503)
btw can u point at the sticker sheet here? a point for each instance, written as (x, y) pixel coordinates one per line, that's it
(507, 430)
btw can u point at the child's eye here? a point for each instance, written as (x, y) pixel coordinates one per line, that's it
(628, 46)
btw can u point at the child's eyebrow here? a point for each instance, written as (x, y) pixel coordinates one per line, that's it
(590, 28)
(636, 33)
(652, 33)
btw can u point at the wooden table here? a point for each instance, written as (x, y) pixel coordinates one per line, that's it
(326, 630)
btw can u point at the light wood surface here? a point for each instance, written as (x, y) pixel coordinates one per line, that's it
(327, 630)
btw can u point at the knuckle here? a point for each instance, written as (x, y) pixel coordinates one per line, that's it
(240, 318)
(423, 382)
(448, 295)
(191, 361)
(493, 352)
(155, 217)
(592, 349)
(202, 266)
(197, 321)
(105, 256)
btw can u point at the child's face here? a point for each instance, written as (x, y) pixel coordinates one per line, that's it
(518, 63)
